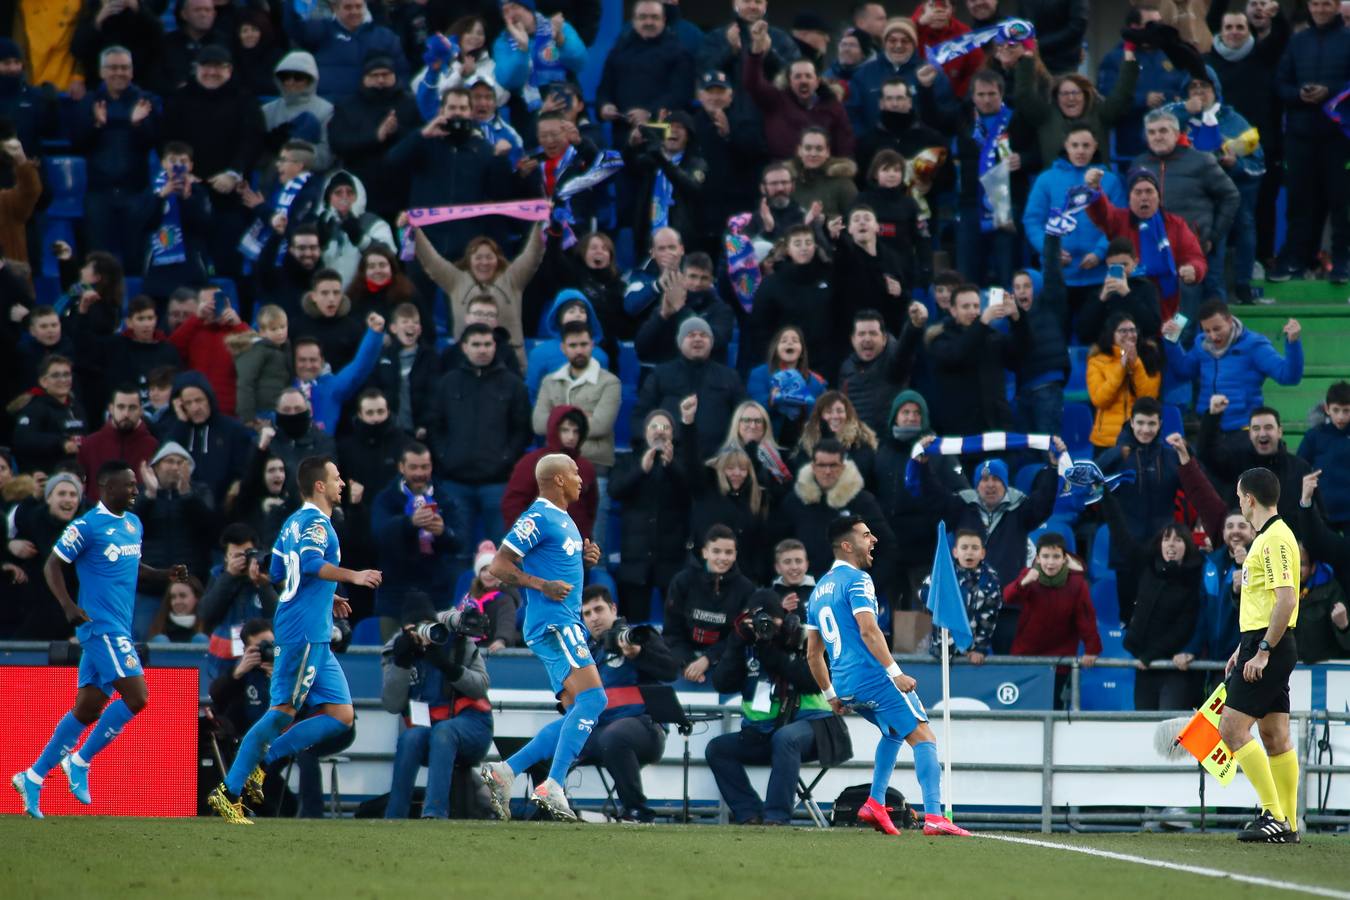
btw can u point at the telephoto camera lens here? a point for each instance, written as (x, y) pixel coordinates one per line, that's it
(432, 632)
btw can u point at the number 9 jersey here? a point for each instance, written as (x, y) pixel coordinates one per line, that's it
(305, 605)
(839, 596)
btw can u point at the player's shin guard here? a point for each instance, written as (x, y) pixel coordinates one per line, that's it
(887, 752)
(1251, 756)
(576, 730)
(252, 748)
(67, 732)
(304, 734)
(1284, 769)
(541, 747)
(929, 772)
(108, 726)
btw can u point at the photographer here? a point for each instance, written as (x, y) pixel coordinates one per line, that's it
(237, 593)
(765, 662)
(667, 175)
(436, 679)
(625, 738)
(239, 697)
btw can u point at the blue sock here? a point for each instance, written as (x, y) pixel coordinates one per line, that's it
(67, 732)
(929, 772)
(540, 747)
(887, 751)
(252, 748)
(576, 730)
(302, 735)
(108, 726)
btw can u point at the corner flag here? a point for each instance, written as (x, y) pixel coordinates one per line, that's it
(944, 595)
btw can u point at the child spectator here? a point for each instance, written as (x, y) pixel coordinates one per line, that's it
(328, 319)
(44, 338)
(262, 364)
(176, 219)
(792, 582)
(1327, 448)
(1323, 624)
(981, 593)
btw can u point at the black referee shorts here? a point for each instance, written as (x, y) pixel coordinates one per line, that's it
(1271, 694)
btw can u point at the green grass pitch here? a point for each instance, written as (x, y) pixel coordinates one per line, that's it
(202, 858)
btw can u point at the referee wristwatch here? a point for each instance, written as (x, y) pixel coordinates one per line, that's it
(1264, 646)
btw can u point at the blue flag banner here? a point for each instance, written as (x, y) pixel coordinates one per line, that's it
(1007, 31)
(944, 595)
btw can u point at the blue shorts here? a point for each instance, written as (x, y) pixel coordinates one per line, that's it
(883, 704)
(308, 673)
(562, 649)
(105, 658)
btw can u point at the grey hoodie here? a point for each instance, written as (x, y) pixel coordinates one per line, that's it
(287, 107)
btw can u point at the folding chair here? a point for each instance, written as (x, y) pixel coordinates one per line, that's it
(806, 798)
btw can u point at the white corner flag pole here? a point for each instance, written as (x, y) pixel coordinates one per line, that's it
(947, 723)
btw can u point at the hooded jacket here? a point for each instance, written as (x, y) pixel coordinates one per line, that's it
(41, 428)
(287, 110)
(1195, 187)
(220, 447)
(262, 369)
(479, 424)
(1237, 371)
(832, 185)
(785, 116)
(133, 447)
(547, 354)
(701, 610)
(203, 348)
(913, 519)
(522, 489)
(340, 54)
(1113, 391)
(597, 392)
(343, 240)
(1005, 527)
(1048, 193)
(180, 526)
(806, 514)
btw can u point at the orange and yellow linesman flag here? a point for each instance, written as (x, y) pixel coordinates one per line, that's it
(1201, 738)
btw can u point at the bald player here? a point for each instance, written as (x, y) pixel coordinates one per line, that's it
(545, 555)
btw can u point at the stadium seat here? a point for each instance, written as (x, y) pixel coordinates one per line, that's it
(1026, 475)
(46, 288)
(630, 368)
(441, 311)
(1101, 689)
(1171, 420)
(1099, 565)
(1077, 429)
(132, 284)
(1060, 526)
(55, 229)
(1076, 389)
(1106, 602)
(65, 177)
(366, 633)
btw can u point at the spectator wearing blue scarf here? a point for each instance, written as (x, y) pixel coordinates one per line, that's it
(534, 50)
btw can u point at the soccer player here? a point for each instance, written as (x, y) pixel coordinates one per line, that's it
(306, 555)
(104, 548)
(1258, 671)
(545, 554)
(841, 617)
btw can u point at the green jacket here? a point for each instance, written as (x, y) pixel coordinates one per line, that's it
(1039, 110)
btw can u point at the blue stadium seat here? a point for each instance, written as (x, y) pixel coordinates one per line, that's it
(441, 311)
(1171, 420)
(1106, 602)
(366, 633)
(1077, 371)
(1077, 429)
(133, 285)
(53, 230)
(1106, 689)
(47, 288)
(1061, 526)
(65, 178)
(630, 368)
(1099, 565)
(1025, 476)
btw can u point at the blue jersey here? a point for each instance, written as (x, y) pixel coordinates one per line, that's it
(838, 598)
(106, 552)
(305, 605)
(549, 546)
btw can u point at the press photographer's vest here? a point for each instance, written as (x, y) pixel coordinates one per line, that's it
(808, 705)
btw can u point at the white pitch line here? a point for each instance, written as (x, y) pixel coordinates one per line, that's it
(1176, 867)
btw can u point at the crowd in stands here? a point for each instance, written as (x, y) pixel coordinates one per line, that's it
(831, 241)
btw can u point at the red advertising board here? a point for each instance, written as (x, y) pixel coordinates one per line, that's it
(149, 770)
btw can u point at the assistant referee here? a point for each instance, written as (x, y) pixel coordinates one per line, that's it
(1258, 671)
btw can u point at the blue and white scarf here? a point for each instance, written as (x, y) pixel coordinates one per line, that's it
(167, 245)
(545, 62)
(1006, 31)
(605, 166)
(971, 444)
(1203, 130)
(991, 137)
(1064, 221)
(496, 129)
(1155, 254)
(250, 246)
(663, 196)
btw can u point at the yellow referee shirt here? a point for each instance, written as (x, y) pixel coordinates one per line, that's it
(1272, 563)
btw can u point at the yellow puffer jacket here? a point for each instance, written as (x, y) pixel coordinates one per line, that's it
(1113, 392)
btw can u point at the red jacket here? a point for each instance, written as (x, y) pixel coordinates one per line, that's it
(1053, 620)
(522, 489)
(1116, 222)
(785, 117)
(202, 347)
(132, 447)
(961, 69)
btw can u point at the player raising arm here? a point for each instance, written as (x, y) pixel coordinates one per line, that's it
(305, 671)
(545, 555)
(841, 619)
(103, 546)
(1259, 669)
